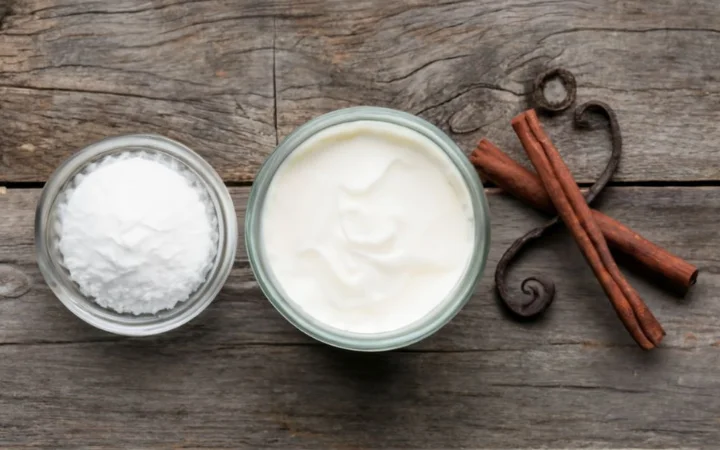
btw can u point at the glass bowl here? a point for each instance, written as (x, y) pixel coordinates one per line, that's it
(58, 278)
(414, 332)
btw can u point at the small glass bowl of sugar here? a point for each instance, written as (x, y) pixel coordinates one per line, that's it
(136, 234)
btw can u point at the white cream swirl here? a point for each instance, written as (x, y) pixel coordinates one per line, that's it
(367, 226)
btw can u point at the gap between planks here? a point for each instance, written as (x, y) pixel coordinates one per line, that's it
(7, 185)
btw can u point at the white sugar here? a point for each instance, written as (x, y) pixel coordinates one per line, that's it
(137, 233)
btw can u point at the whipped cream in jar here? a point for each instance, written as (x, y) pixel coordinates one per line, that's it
(367, 229)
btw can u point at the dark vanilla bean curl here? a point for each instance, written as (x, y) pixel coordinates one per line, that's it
(540, 291)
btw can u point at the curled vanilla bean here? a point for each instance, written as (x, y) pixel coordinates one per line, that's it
(539, 291)
(568, 82)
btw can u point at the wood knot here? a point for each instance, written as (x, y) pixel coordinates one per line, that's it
(13, 282)
(465, 120)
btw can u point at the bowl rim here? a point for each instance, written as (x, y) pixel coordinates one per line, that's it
(444, 311)
(128, 324)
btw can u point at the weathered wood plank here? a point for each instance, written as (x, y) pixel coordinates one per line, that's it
(133, 394)
(74, 72)
(687, 215)
(206, 72)
(241, 376)
(467, 67)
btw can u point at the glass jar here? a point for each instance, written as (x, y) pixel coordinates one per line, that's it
(50, 258)
(402, 337)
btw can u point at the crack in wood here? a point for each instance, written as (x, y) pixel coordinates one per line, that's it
(625, 30)
(106, 12)
(274, 81)
(698, 90)
(95, 91)
(424, 66)
(580, 387)
(472, 87)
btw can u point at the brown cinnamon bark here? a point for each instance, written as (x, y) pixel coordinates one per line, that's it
(515, 179)
(575, 213)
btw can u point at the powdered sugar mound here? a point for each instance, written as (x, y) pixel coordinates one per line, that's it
(137, 232)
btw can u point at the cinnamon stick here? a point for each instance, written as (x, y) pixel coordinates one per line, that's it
(515, 179)
(575, 213)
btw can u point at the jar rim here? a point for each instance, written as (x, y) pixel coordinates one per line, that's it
(106, 319)
(444, 311)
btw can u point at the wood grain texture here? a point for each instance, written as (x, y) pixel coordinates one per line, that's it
(231, 78)
(228, 77)
(240, 376)
(73, 72)
(467, 66)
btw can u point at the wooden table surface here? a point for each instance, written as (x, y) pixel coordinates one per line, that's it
(231, 79)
